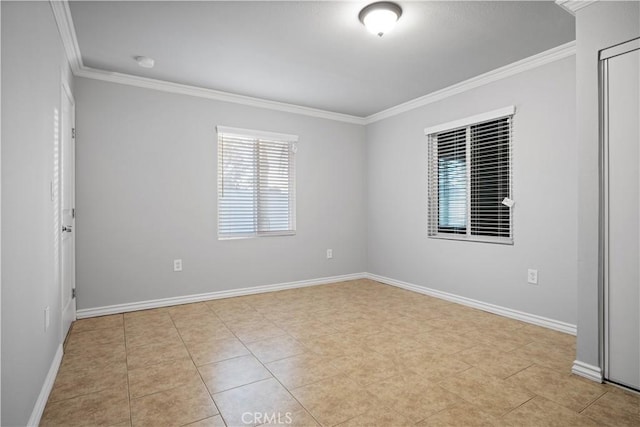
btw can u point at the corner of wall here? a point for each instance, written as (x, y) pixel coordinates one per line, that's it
(47, 386)
(588, 371)
(599, 26)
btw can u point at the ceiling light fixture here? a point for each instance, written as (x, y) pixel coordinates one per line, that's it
(145, 61)
(380, 17)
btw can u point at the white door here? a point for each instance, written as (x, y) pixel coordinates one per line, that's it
(67, 211)
(621, 131)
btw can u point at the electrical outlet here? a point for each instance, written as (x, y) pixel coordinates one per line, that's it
(532, 276)
(329, 253)
(177, 265)
(47, 319)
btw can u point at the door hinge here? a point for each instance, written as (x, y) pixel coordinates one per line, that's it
(73, 213)
(74, 293)
(73, 133)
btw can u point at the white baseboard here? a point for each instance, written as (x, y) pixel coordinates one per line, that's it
(491, 308)
(590, 372)
(38, 408)
(164, 302)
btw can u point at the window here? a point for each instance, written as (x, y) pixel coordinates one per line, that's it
(256, 183)
(469, 178)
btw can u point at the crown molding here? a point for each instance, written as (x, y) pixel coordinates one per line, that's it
(182, 89)
(62, 15)
(64, 21)
(551, 55)
(572, 6)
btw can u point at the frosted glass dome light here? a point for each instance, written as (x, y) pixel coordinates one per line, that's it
(379, 18)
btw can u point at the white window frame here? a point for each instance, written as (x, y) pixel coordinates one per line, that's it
(432, 190)
(292, 141)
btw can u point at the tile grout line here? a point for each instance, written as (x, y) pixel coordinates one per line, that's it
(594, 401)
(161, 362)
(549, 399)
(520, 405)
(339, 374)
(453, 405)
(195, 366)
(81, 369)
(248, 349)
(521, 370)
(265, 367)
(409, 335)
(126, 361)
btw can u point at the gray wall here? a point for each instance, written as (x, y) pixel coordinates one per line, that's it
(598, 26)
(545, 186)
(147, 194)
(33, 65)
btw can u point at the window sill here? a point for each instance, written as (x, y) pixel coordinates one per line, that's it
(254, 236)
(477, 239)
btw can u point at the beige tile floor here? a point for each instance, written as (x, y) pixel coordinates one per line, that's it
(356, 353)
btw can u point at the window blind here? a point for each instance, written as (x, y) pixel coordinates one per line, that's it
(469, 178)
(452, 182)
(256, 184)
(490, 178)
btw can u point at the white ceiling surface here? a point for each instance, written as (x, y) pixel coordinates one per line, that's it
(316, 54)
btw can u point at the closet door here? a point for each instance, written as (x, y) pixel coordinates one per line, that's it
(621, 134)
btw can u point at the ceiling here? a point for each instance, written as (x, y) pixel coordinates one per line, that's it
(316, 53)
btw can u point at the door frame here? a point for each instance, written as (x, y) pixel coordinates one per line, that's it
(65, 91)
(603, 246)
